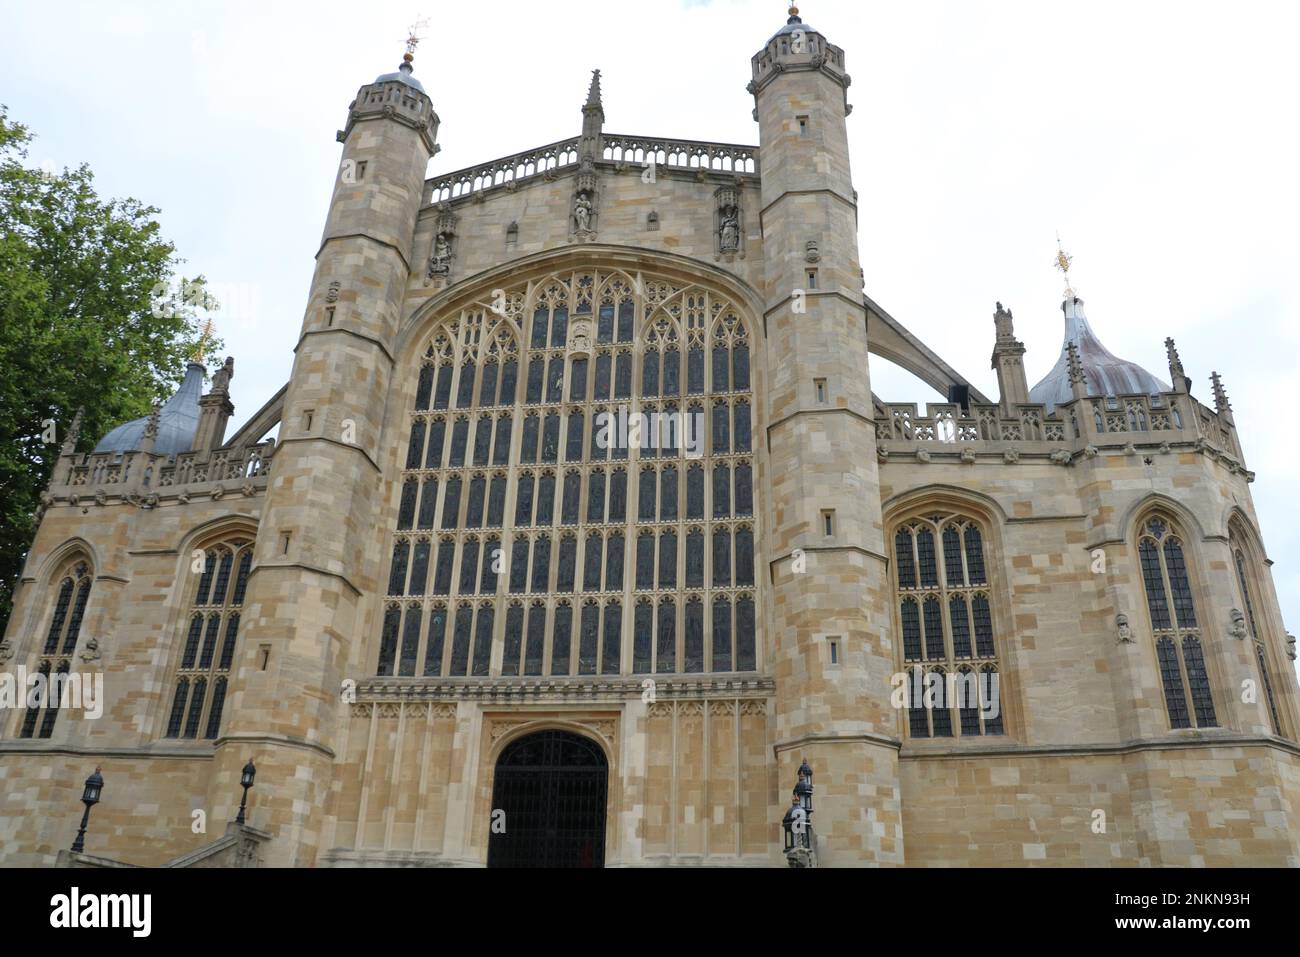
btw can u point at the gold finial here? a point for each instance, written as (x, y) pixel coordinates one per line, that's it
(413, 39)
(204, 336)
(794, 11)
(1063, 263)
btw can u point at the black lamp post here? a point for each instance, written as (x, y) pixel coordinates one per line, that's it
(804, 789)
(89, 797)
(246, 782)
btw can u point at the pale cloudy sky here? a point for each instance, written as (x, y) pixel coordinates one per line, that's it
(1159, 138)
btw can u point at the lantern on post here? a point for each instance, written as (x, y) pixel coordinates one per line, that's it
(800, 846)
(89, 797)
(245, 781)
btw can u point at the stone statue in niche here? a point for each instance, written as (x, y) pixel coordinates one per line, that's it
(440, 260)
(582, 213)
(730, 233)
(1123, 628)
(1238, 629)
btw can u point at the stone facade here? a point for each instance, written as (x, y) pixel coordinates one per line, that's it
(860, 541)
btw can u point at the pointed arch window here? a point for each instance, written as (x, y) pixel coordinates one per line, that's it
(945, 619)
(509, 437)
(71, 600)
(1170, 604)
(211, 634)
(1248, 584)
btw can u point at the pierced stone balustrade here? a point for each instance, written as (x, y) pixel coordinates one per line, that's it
(1120, 421)
(126, 474)
(681, 154)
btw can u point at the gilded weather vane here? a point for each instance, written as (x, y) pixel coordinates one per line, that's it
(413, 38)
(1063, 263)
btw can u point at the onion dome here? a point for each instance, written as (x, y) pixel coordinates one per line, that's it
(403, 75)
(1105, 374)
(178, 421)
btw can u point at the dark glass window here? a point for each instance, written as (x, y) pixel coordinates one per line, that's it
(416, 445)
(646, 496)
(451, 503)
(572, 493)
(528, 448)
(596, 497)
(666, 647)
(546, 499)
(589, 639)
(519, 567)
(524, 500)
(497, 501)
(514, 640)
(693, 644)
(668, 494)
(468, 566)
(541, 565)
(437, 636)
(611, 651)
(578, 381)
(642, 632)
(459, 438)
(645, 560)
(474, 505)
(668, 559)
(437, 438)
(614, 563)
(721, 558)
(721, 634)
(460, 641)
(592, 562)
(561, 638)
(567, 564)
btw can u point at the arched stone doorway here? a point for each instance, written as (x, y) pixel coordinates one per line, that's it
(548, 802)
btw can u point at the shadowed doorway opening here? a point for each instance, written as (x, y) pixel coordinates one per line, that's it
(548, 802)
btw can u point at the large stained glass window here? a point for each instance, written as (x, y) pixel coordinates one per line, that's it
(71, 598)
(946, 630)
(577, 492)
(208, 651)
(1179, 655)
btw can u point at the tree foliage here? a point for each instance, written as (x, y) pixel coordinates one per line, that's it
(80, 326)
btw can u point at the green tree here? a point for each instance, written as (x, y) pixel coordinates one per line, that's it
(82, 326)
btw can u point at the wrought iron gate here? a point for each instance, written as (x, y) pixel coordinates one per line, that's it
(552, 788)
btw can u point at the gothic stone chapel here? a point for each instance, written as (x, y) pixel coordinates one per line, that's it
(583, 530)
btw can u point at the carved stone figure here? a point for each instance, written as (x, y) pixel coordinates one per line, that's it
(92, 650)
(730, 233)
(582, 213)
(7, 651)
(440, 261)
(812, 251)
(580, 337)
(1290, 646)
(1238, 629)
(1122, 627)
(221, 378)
